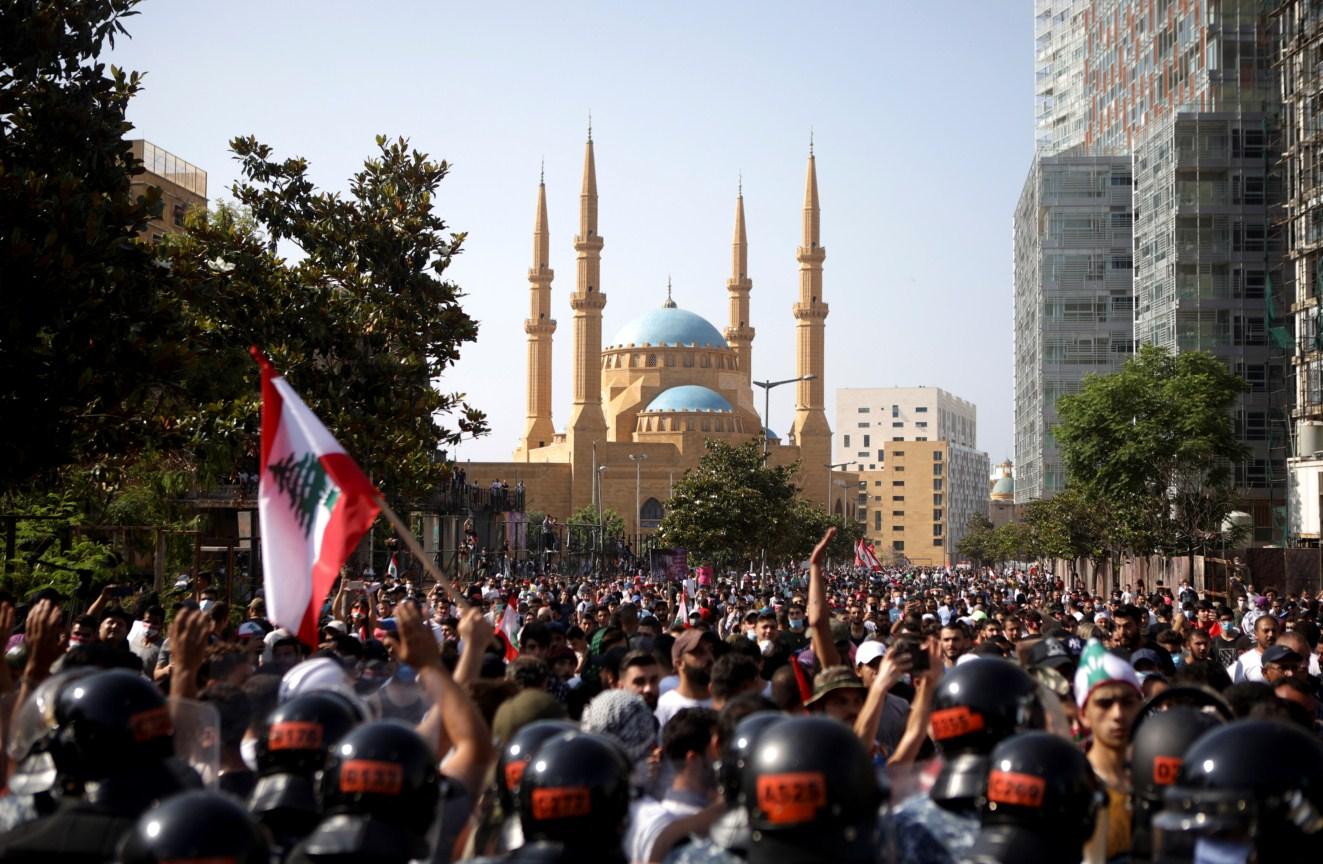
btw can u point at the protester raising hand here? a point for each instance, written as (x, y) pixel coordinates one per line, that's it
(189, 634)
(417, 646)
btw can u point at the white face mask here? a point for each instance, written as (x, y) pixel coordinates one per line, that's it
(205, 605)
(248, 750)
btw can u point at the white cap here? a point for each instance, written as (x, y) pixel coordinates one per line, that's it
(868, 651)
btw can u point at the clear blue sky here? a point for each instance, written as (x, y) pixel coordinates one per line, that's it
(922, 112)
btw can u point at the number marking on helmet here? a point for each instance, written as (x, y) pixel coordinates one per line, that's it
(371, 776)
(153, 723)
(792, 797)
(562, 802)
(295, 735)
(514, 772)
(954, 722)
(1021, 790)
(1165, 769)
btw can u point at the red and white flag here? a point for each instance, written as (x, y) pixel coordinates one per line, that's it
(314, 504)
(864, 556)
(682, 614)
(393, 568)
(508, 628)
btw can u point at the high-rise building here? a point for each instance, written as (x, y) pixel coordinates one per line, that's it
(1185, 94)
(921, 477)
(1072, 299)
(1299, 28)
(1061, 109)
(183, 186)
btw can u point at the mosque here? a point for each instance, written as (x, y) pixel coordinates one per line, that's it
(646, 401)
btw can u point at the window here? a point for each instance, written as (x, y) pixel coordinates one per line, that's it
(847, 440)
(863, 425)
(898, 513)
(937, 541)
(922, 424)
(897, 497)
(937, 469)
(862, 453)
(937, 515)
(898, 424)
(937, 485)
(899, 468)
(179, 215)
(864, 410)
(898, 438)
(937, 529)
(937, 455)
(877, 482)
(867, 442)
(897, 454)
(880, 456)
(922, 409)
(670, 359)
(652, 361)
(898, 545)
(895, 411)
(877, 520)
(650, 514)
(937, 500)
(897, 482)
(921, 438)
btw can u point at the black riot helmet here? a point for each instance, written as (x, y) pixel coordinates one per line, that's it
(195, 826)
(383, 771)
(1252, 785)
(109, 723)
(811, 794)
(735, 753)
(514, 756)
(1041, 802)
(291, 750)
(1159, 746)
(978, 703)
(575, 791)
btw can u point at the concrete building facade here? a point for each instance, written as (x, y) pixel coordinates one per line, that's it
(920, 501)
(183, 186)
(868, 418)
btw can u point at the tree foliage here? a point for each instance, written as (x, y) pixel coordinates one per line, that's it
(1154, 442)
(734, 505)
(583, 523)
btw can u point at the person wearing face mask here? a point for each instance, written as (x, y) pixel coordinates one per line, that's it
(148, 644)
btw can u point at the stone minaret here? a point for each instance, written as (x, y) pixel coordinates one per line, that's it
(538, 429)
(740, 334)
(587, 423)
(812, 433)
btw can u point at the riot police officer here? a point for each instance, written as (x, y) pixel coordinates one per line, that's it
(112, 747)
(978, 703)
(1248, 790)
(379, 793)
(1158, 745)
(195, 826)
(1041, 802)
(811, 794)
(291, 750)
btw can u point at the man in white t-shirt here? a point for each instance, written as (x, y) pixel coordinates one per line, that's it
(692, 657)
(1249, 666)
(688, 751)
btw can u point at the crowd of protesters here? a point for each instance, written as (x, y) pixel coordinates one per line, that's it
(935, 715)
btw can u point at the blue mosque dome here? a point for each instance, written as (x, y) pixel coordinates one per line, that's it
(689, 397)
(670, 325)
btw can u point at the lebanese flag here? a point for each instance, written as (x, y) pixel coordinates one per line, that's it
(507, 628)
(869, 556)
(682, 614)
(393, 568)
(314, 504)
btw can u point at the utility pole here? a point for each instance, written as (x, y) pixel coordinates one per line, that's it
(767, 402)
(637, 459)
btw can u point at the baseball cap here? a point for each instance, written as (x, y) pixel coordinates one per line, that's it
(1281, 654)
(688, 641)
(868, 651)
(834, 678)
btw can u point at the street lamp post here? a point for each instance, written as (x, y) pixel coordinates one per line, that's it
(767, 401)
(831, 467)
(637, 459)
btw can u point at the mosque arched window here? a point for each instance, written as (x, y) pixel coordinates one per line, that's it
(707, 361)
(650, 514)
(652, 361)
(670, 359)
(688, 361)
(633, 361)
(707, 427)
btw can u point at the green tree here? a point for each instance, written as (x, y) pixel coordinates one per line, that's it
(976, 544)
(734, 505)
(1155, 440)
(583, 527)
(86, 338)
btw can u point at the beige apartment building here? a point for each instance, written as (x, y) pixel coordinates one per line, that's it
(183, 186)
(868, 418)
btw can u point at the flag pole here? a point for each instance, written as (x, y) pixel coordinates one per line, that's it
(406, 534)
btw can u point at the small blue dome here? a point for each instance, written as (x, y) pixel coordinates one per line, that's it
(770, 435)
(669, 326)
(689, 397)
